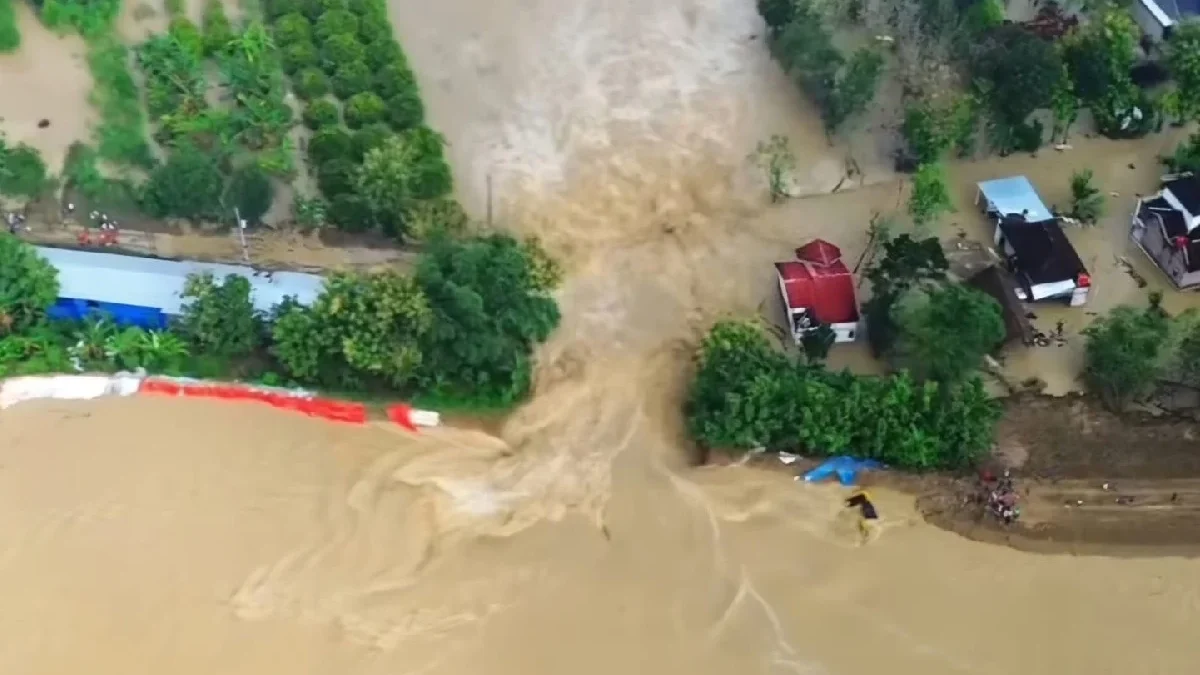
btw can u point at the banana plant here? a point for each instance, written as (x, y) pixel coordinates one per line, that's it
(91, 341)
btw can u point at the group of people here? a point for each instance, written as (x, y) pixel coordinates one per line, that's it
(107, 226)
(1000, 497)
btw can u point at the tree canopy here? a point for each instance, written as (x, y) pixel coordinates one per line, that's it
(747, 394)
(1023, 71)
(490, 308)
(28, 285)
(1123, 352)
(219, 316)
(944, 332)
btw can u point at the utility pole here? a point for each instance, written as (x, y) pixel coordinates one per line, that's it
(241, 226)
(489, 201)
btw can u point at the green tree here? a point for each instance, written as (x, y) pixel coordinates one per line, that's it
(363, 109)
(777, 14)
(363, 329)
(336, 22)
(1065, 106)
(330, 144)
(310, 213)
(393, 79)
(1022, 70)
(904, 264)
(733, 400)
(405, 110)
(855, 87)
(351, 79)
(310, 84)
(1122, 358)
(321, 113)
(932, 128)
(291, 29)
(218, 32)
(188, 185)
(340, 50)
(1099, 57)
(1087, 202)
(404, 169)
(219, 317)
(299, 56)
(944, 332)
(28, 285)
(1182, 56)
(10, 34)
(250, 191)
(490, 309)
(777, 162)
(22, 171)
(930, 197)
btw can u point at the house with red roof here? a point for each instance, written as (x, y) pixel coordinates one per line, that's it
(818, 289)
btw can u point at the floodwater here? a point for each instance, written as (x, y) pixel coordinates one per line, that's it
(152, 536)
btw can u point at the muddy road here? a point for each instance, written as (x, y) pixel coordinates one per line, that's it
(151, 536)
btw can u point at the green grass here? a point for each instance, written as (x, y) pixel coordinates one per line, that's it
(10, 35)
(121, 133)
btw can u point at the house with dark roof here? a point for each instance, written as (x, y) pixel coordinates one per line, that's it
(818, 289)
(1032, 244)
(1167, 230)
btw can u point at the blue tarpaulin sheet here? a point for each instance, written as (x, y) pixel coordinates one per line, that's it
(845, 468)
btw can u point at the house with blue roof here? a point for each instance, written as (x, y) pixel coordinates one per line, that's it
(148, 292)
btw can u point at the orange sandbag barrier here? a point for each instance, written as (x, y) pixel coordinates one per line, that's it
(164, 387)
(337, 411)
(401, 414)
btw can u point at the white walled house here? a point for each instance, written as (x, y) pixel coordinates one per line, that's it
(818, 289)
(1164, 227)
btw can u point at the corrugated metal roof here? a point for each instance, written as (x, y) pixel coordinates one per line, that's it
(153, 282)
(1014, 195)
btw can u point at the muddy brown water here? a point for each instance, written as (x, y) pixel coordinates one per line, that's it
(151, 536)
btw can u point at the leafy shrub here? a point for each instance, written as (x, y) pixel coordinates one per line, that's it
(291, 29)
(351, 79)
(188, 185)
(405, 110)
(299, 56)
(321, 113)
(188, 35)
(930, 197)
(746, 395)
(363, 109)
(336, 22)
(273, 9)
(925, 344)
(370, 137)
(28, 285)
(92, 18)
(431, 175)
(10, 34)
(362, 329)
(1122, 356)
(383, 53)
(408, 167)
(219, 317)
(218, 32)
(22, 171)
(121, 132)
(393, 79)
(330, 144)
(340, 50)
(310, 83)
(1087, 202)
(310, 213)
(351, 213)
(336, 177)
(374, 32)
(251, 192)
(932, 129)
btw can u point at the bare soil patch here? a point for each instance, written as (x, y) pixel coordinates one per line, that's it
(1090, 482)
